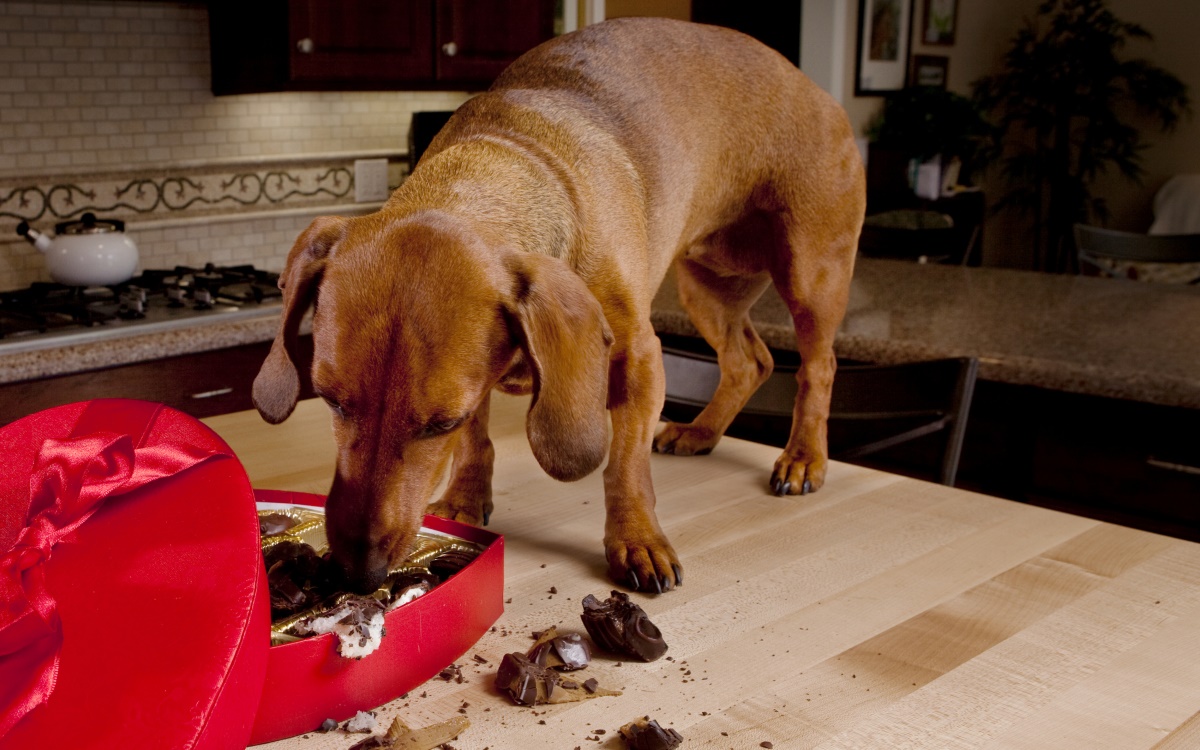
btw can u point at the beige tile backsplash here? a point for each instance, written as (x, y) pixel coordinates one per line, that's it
(99, 93)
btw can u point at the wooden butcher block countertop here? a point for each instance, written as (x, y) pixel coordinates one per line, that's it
(879, 612)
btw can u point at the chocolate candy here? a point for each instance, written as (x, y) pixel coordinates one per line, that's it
(296, 577)
(358, 624)
(401, 588)
(453, 559)
(620, 626)
(274, 523)
(646, 734)
(529, 684)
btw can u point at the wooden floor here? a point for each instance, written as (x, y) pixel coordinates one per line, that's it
(880, 612)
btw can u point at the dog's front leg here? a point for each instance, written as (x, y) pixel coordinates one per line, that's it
(638, 552)
(468, 497)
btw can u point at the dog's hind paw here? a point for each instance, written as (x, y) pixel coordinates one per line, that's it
(684, 440)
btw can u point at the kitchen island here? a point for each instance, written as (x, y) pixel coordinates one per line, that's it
(878, 612)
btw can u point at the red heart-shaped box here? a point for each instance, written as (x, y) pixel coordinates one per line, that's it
(307, 682)
(161, 623)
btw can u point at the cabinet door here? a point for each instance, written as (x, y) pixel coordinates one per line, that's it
(476, 41)
(361, 43)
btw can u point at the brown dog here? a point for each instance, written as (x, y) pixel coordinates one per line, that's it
(523, 253)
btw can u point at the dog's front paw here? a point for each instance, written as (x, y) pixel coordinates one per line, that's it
(472, 514)
(650, 566)
(685, 440)
(798, 475)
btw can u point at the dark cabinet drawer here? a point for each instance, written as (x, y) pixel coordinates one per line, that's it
(203, 384)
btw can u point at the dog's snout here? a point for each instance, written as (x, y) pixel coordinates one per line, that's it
(365, 580)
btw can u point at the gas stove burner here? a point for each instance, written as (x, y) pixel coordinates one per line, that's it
(156, 294)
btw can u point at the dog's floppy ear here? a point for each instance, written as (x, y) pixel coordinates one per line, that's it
(561, 327)
(277, 386)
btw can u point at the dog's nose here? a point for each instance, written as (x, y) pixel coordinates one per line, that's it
(365, 580)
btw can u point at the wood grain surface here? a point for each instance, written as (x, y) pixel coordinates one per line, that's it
(880, 612)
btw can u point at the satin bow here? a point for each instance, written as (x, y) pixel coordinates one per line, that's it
(71, 479)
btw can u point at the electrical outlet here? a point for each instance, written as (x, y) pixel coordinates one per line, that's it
(370, 180)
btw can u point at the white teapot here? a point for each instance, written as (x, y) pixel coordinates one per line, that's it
(87, 251)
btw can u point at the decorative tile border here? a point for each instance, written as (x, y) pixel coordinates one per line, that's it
(179, 193)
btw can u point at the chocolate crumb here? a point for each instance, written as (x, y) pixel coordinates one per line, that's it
(553, 590)
(767, 745)
(452, 672)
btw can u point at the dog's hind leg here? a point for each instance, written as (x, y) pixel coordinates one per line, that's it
(468, 496)
(719, 307)
(813, 279)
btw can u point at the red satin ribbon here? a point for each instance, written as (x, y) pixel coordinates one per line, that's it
(70, 480)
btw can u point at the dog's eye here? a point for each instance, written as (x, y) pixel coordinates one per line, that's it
(335, 406)
(440, 426)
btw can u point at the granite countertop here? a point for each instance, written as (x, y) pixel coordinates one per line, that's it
(131, 344)
(1105, 337)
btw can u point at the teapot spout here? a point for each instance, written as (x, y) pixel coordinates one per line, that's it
(36, 238)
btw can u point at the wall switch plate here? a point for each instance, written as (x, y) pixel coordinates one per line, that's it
(370, 180)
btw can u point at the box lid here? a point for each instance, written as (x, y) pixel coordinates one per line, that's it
(133, 603)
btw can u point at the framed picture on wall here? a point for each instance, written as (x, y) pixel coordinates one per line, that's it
(939, 21)
(884, 28)
(929, 70)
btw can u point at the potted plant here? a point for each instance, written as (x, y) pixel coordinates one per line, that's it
(1064, 104)
(923, 124)
(927, 121)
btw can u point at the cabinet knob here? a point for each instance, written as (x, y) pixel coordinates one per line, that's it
(306, 46)
(450, 48)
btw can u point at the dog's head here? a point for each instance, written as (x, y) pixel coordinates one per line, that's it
(415, 320)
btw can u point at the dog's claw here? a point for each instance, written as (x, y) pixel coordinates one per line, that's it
(633, 581)
(678, 574)
(806, 487)
(781, 487)
(657, 584)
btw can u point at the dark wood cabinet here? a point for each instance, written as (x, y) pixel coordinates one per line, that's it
(368, 40)
(317, 45)
(476, 41)
(1126, 462)
(202, 385)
